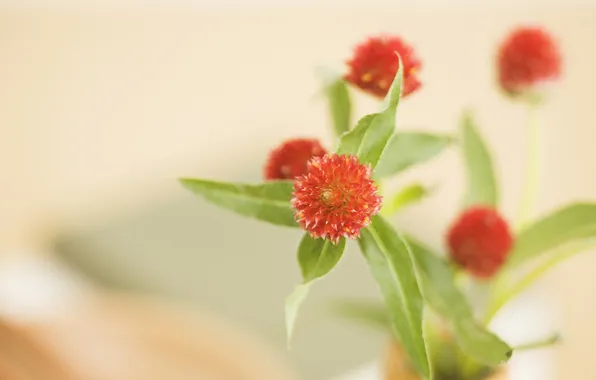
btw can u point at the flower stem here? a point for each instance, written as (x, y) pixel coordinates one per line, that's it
(548, 341)
(532, 174)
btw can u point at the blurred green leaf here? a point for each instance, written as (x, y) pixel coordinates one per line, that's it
(316, 257)
(509, 285)
(405, 197)
(369, 138)
(406, 149)
(390, 261)
(293, 302)
(363, 311)
(340, 105)
(268, 201)
(441, 292)
(482, 184)
(563, 226)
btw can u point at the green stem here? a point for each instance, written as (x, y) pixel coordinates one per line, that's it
(526, 208)
(549, 341)
(532, 174)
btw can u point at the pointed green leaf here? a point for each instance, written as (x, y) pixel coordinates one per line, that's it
(440, 291)
(369, 141)
(406, 149)
(392, 266)
(563, 226)
(350, 141)
(481, 344)
(482, 184)
(293, 302)
(405, 197)
(316, 257)
(268, 201)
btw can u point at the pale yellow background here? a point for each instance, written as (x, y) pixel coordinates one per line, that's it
(99, 112)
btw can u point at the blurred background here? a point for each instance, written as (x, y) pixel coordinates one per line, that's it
(115, 272)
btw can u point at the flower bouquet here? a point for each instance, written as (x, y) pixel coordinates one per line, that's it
(336, 196)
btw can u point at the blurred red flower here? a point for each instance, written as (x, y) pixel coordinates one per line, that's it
(336, 197)
(527, 58)
(375, 63)
(479, 241)
(289, 159)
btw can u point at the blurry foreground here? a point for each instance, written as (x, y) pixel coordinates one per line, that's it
(116, 337)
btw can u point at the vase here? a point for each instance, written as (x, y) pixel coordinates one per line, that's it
(395, 366)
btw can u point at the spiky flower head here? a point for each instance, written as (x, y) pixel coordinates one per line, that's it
(528, 59)
(375, 62)
(289, 159)
(336, 197)
(479, 241)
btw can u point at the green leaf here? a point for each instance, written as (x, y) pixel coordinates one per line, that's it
(363, 311)
(563, 226)
(369, 138)
(316, 257)
(406, 149)
(392, 266)
(482, 183)
(505, 289)
(405, 197)
(293, 302)
(340, 105)
(268, 201)
(440, 291)
(350, 141)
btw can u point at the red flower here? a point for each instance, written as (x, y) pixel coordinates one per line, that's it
(289, 159)
(375, 63)
(528, 57)
(479, 241)
(336, 197)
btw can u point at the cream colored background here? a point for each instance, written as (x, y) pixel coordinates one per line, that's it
(99, 112)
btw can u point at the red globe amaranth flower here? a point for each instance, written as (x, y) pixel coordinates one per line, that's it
(528, 58)
(289, 159)
(336, 197)
(375, 63)
(479, 241)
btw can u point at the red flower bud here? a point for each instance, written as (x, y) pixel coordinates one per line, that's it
(479, 241)
(527, 60)
(374, 65)
(336, 197)
(289, 159)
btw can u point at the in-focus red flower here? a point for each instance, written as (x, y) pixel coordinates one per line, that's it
(479, 241)
(336, 197)
(289, 159)
(375, 63)
(527, 59)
